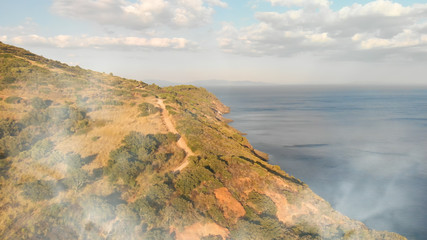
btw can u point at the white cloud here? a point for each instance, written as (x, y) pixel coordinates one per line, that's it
(379, 7)
(319, 38)
(407, 38)
(66, 41)
(141, 13)
(218, 3)
(300, 3)
(378, 27)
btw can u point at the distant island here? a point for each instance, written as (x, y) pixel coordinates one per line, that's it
(208, 83)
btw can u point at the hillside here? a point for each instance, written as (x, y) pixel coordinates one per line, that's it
(87, 155)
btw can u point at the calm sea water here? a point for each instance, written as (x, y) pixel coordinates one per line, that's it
(362, 149)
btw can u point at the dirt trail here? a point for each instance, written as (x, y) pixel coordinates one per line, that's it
(171, 128)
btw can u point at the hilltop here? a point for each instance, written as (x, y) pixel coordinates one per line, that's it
(88, 155)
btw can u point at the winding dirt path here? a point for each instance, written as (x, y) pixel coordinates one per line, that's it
(171, 128)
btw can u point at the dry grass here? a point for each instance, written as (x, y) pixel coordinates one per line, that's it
(121, 120)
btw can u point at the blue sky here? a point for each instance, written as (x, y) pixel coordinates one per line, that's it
(280, 41)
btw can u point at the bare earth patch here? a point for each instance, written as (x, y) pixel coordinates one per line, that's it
(198, 230)
(229, 205)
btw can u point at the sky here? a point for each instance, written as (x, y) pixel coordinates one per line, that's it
(363, 42)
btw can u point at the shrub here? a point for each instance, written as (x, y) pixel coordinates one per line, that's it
(138, 144)
(159, 194)
(180, 212)
(121, 165)
(305, 229)
(9, 127)
(95, 138)
(147, 109)
(268, 228)
(41, 149)
(39, 103)
(39, 190)
(13, 99)
(217, 215)
(137, 154)
(158, 234)
(146, 211)
(59, 114)
(124, 228)
(113, 102)
(98, 210)
(77, 179)
(8, 80)
(246, 231)
(192, 178)
(211, 237)
(36, 118)
(263, 203)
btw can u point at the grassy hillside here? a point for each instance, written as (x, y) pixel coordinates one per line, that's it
(86, 155)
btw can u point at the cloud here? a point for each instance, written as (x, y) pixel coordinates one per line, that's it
(140, 14)
(67, 41)
(300, 3)
(380, 29)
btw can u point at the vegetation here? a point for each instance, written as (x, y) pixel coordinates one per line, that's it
(147, 109)
(39, 190)
(76, 163)
(137, 154)
(13, 99)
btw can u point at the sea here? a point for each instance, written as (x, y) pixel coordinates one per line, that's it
(361, 148)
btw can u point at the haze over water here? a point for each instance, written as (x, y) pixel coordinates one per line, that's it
(363, 149)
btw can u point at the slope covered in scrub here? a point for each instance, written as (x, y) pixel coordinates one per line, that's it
(86, 155)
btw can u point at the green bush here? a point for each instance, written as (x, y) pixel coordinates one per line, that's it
(158, 234)
(262, 203)
(13, 145)
(146, 211)
(137, 153)
(308, 230)
(36, 118)
(13, 99)
(147, 109)
(189, 180)
(121, 165)
(267, 228)
(41, 149)
(77, 178)
(95, 138)
(98, 210)
(159, 194)
(39, 103)
(211, 237)
(180, 213)
(140, 144)
(124, 228)
(113, 102)
(39, 190)
(245, 230)
(217, 215)
(8, 80)
(9, 127)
